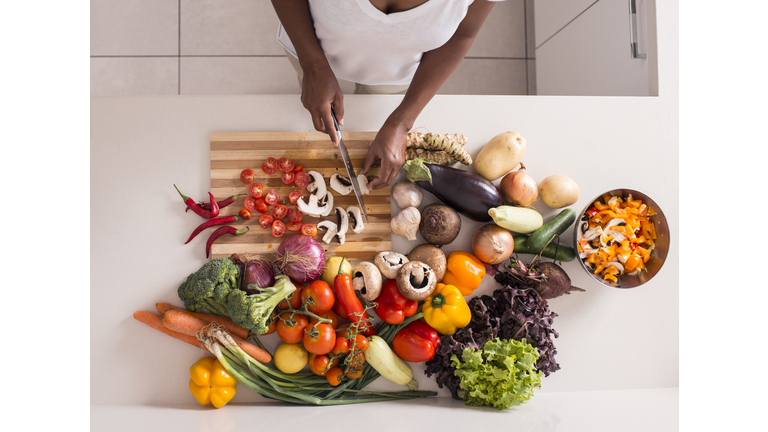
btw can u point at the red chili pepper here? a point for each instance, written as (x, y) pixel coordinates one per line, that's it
(351, 305)
(392, 306)
(212, 223)
(416, 342)
(223, 203)
(208, 214)
(220, 232)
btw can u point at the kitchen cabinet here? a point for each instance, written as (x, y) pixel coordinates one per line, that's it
(589, 52)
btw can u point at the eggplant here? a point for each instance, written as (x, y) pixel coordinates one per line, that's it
(467, 193)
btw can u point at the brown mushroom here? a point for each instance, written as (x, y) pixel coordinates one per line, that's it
(366, 278)
(416, 280)
(389, 263)
(432, 256)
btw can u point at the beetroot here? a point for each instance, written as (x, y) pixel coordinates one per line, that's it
(547, 278)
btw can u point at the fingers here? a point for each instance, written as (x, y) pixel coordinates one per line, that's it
(369, 161)
(338, 107)
(385, 178)
(327, 119)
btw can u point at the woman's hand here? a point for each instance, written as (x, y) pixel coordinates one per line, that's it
(387, 150)
(320, 90)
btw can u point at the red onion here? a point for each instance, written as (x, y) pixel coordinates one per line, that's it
(258, 272)
(301, 258)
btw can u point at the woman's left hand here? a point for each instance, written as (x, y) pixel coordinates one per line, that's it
(388, 151)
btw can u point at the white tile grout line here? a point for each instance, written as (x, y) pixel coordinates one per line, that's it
(178, 71)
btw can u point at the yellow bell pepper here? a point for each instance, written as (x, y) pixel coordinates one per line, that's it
(446, 310)
(211, 383)
(464, 271)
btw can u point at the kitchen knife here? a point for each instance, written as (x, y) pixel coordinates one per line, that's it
(348, 166)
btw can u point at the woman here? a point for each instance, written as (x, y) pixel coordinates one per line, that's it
(385, 46)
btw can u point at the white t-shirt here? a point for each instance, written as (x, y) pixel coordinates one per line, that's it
(367, 46)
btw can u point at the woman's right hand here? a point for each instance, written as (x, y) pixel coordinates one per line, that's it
(319, 90)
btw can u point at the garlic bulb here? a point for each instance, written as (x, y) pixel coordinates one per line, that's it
(406, 223)
(407, 194)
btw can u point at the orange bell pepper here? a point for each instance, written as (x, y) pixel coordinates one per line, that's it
(464, 271)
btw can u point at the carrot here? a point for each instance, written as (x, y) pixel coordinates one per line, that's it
(187, 324)
(156, 322)
(225, 322)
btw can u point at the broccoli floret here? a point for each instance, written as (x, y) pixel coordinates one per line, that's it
(253, 311)
(209, 287)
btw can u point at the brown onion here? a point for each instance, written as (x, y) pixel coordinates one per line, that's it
(492, 244)
(519, 188)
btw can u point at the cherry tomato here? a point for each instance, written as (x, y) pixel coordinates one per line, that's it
(291, 330)
(301, 180)
(278, 228)
(272, 197)
(293, 226)
(272, 327)
(279, 211)
(334, 376)
(245, 214)
(265, 221)
(250, 204)
(288, 177)
(320, 364)
(246, 176)
(357, 358)
(361, 343)
(331, 315)
(354, 372)
(298, 168)
(319, 339)
(341, 346)
(337, 307)
(260, 205)
(309, 229)
(270, 166)
(294, 214)
(286, 165)
(318, 296)
(256, 190)
(294, 300)
(294, 196)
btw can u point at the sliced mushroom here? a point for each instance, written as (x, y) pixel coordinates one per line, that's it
(342, 224)
(416, 280)
(366, 278)
(432, 256)
(327, 203)
(316, 207)
(317, 185)
(331, 230)
(341, 184)
(363, 180)
(355, 219)
(389, 263)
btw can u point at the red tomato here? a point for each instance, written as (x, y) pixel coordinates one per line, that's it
(339, 310)
(301, 180)
(245, 214)
(288, 177)
(309, 229)
(318, 296)
(286, 165)
(250, 204)
(361, 343)
(294, 300)
(294, 214)
(298, 168)
(256, 190)
(261, 205)
(334, 375)
(294, 196)
(272, 197)
(341, 346)
(355, 371)
(279, 211)
(265, 221)
(293, 226)
(331, 315)
(271, 327)
(320, 364)
(246, 176)
(278, 228)
(291, 329)
(319, 339)
(270, 166)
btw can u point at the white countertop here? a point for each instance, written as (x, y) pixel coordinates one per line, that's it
(618, 349)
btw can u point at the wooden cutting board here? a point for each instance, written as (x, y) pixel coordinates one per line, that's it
(233, 152)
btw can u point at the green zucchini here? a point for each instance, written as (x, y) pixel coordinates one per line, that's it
(557, 226)
(565, 253)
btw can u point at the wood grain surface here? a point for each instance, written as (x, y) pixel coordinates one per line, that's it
(233, 152)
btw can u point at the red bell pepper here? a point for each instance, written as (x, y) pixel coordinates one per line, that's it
(416, 342)
(392, 306)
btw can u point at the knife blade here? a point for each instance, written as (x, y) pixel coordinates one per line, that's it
(349, 167)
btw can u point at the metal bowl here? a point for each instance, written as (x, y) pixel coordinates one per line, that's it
(659, 254)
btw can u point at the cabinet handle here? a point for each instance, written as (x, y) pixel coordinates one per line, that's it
(637, 36)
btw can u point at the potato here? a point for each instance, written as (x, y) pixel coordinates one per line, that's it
(558, 191)
(500, 156)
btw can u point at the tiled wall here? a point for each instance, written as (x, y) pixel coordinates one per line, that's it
(194, 47)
